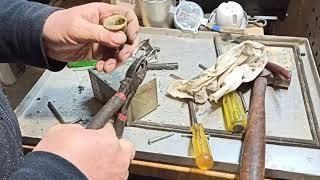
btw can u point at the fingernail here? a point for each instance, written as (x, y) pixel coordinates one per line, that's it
(127, 55)
(99, 66)
(119, 37)
(135, 35)
(110, 66)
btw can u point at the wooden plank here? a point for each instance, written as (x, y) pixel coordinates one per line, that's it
(167, 171)
(254, 31)
(312, 31)
(295, 22)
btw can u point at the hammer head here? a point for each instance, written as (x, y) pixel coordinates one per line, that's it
(276, 80)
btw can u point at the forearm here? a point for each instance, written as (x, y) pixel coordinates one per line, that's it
(21, 26)
(44, 165)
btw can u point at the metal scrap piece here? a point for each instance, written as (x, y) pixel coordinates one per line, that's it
(115, 23)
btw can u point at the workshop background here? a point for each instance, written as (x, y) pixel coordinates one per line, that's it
(298, 18)
(295, 18)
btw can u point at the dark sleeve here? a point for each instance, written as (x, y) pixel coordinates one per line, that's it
(21, 25)
(44, 165)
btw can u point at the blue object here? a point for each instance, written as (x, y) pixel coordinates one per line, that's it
(216, 28)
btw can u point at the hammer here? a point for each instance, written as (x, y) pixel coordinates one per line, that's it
(252, 165)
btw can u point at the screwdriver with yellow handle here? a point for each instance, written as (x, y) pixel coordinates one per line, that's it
(200, 142)
(233, 103)
(234, 110)
(235, 117)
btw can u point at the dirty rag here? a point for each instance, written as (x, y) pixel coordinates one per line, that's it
(241, 63)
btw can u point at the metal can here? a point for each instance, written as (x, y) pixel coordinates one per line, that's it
(155, 13)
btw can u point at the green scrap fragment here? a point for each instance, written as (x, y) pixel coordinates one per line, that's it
(81, 64)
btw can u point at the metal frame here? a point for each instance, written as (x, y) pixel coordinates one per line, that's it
(313, 124)
(283, 160)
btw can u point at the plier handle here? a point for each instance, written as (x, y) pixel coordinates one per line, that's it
(119, 103)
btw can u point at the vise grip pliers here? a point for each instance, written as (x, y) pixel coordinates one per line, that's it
(118, 104)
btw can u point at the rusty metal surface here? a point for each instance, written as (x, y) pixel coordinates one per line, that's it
(283, 121)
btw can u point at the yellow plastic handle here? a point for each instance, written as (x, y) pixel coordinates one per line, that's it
(201, 148)
(235, 118)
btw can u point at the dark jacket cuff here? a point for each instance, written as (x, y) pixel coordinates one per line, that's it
(21, 30)
(45, 61)
(44, 165)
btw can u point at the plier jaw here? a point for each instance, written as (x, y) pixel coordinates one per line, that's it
(134, 77)
(138, 69)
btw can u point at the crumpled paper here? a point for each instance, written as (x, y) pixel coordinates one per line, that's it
(242, 63)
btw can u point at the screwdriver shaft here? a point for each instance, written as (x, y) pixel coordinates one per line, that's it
(192, 112)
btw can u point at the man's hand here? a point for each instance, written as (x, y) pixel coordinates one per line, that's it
(98, 154)
(77, 34)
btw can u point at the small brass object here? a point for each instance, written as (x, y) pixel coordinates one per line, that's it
(115, 23)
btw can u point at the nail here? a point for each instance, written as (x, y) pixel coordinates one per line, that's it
(150, 141)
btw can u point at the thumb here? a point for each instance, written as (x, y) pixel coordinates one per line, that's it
(98, 34)
(128, 148)
(108, 130)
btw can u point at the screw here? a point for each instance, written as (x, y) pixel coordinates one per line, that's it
(153, 140)
(203, 67)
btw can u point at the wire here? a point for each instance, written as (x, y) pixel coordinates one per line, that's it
(258, 22)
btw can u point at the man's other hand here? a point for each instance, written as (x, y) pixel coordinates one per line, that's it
(77, 34)
(98, 154)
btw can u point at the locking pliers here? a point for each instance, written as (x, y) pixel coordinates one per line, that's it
(120, 101)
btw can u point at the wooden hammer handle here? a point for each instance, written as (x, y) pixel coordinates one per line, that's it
(253, 152)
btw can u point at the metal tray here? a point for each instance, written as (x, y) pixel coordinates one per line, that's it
(292, 116)
(289, 121)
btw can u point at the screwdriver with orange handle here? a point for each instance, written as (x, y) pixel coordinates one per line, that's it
(200, 142)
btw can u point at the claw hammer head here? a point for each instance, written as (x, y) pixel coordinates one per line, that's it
(277, 76)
